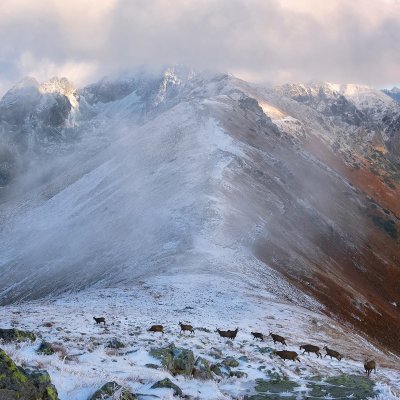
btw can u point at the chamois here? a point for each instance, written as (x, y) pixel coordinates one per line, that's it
(228, 334)
(309, 348)
(156, 328)
(287, 355)
(99, 320)
(258, 335)
(332, 353)
(369, 366)
(278, 338)
(186, 328)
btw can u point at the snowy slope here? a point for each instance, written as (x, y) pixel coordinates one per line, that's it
(83, 362)
(200, 177)
(394, 93)
(125, 217)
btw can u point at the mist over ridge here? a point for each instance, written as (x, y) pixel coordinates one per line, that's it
(290, 188)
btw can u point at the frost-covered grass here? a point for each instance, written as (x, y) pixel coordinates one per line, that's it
(83, 363)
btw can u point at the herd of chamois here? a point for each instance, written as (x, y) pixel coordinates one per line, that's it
(369, 365)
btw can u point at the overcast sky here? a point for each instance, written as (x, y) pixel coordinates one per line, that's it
(259, 40)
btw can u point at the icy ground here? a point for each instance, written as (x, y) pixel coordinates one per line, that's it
(203, 301)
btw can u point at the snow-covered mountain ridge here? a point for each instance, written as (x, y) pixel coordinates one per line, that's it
(394, 93)
(292, 190)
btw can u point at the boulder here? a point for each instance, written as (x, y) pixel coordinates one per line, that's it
(16, 335)
(238, 374)
(152, 366)
(45, 348)
(201, 369)
(216, 368)
(167, 384)
(177, 360)
(230, 362)
(111, 391)
(356, 387)
(115, 344)
(18, 383)
(276, 385)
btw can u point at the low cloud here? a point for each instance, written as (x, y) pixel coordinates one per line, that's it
(261, 40)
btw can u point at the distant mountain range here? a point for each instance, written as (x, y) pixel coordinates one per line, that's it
(394, 93)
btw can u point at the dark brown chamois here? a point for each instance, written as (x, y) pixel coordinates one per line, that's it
(287, 355)
(100, 319)
(369, 366)
(228, 334)
(186, 328)
(278, 338)
(156, 328)
(332, 353)
(309, 348)
(258, 335)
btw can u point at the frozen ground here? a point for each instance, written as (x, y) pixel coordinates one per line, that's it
(203, 301)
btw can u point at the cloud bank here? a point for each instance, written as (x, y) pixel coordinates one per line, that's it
(260, 40)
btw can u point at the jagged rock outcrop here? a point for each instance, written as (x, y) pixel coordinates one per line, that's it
(17, 383)
(177, 360)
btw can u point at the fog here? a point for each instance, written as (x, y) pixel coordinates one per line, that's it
(259, 40)
(103, 207)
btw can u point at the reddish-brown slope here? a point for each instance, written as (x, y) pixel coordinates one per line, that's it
(323, 225)
(361, 284)
(362, 178)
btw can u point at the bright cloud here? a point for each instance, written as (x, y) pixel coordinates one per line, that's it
(267, 40)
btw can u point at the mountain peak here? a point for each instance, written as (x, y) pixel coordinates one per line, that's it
(59, 85)
(25, 87)
(394, 93)
(62, 86)
(27, 81)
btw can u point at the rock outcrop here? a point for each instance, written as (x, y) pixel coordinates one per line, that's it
(23, 384)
